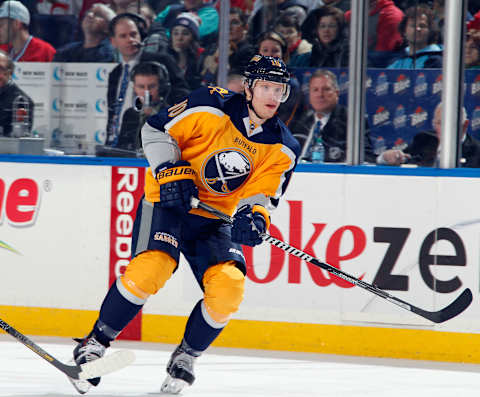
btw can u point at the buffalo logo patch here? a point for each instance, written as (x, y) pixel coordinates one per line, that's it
(226, 170)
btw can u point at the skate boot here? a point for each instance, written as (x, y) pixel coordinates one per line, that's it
(180, 369)
(88, 349)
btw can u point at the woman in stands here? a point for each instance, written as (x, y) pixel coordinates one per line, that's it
(185, 48)
(421, 35)
(325, 28)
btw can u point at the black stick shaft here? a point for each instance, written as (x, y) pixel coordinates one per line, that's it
(452, 310)
(72, 371)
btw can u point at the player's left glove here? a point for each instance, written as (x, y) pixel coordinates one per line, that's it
(248, 223)
(176, 185)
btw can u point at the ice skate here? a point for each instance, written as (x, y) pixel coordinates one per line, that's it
(88, 349)
(180, 369)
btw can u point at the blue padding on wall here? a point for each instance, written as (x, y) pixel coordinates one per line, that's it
(309, 168)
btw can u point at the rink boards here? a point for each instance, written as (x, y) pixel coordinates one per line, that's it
(64, 237)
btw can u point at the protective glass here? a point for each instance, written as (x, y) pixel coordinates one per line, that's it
(267, 90)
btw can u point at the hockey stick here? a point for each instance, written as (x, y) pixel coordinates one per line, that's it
(452, 310)
(92, 369)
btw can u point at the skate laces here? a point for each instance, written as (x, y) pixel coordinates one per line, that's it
(90, 350)
(181, 359)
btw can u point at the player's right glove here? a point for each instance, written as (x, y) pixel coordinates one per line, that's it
(176, 184)
(248, 224)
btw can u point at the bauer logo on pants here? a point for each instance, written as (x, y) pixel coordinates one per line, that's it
(226, 170)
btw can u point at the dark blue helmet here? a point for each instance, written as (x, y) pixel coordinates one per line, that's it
(261, 67)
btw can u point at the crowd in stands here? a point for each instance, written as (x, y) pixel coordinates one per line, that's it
(178, 41)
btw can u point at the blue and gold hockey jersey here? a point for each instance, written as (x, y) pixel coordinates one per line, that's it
(234, 160)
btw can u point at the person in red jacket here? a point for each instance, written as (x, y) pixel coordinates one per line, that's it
(384, 36)
(15, 38)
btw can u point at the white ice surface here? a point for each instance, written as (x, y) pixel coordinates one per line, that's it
(242, 373)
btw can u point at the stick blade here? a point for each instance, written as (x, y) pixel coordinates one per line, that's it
(452, 310)
(105, 365)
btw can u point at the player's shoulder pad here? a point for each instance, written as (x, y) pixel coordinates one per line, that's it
(210, 96)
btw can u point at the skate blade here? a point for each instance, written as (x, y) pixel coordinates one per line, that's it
(82, 386)
(172, 385)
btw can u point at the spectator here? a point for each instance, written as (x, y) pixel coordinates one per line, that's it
(96, 46)
(184, 47)
(15, 38)
(240, 50)
(9, 91)
(264, 18)
(147, 12)
(438, 8)
(426, 145)
(418, 28)
(384, 38)
(472, 45)
(289, 28)
(472, 53)
(58, 7)
(273, 44)
(343, 5)
(124, 6)
(325, 29)
(208, 28)
(125, 37)
(235, 83)
(151, 87)
(326, 121)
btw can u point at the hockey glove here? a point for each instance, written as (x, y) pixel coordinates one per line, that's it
(176, 184)
(248, 224)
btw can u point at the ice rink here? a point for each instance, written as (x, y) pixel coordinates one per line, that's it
(231, 372)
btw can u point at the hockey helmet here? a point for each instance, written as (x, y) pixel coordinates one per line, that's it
(268, 68)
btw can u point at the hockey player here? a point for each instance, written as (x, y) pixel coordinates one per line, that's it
(233, 153)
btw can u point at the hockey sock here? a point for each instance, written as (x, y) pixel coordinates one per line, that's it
(201, 330)
(115, 313)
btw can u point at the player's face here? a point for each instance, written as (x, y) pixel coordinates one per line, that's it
(181, 38)
(126, 39)
(270, 48)
(327, 29)
(143, 83)
(322, 94)
(4, 72)
(266, 98)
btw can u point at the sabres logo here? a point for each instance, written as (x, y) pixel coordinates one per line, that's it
(226, 170)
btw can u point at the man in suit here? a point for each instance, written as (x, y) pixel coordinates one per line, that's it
(126, 31)
(326, 120)
(426, 145)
